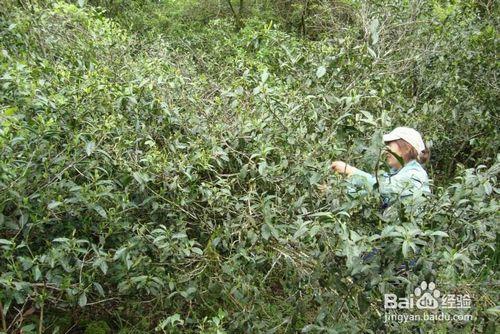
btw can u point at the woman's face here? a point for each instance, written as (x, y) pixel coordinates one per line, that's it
(391, 159)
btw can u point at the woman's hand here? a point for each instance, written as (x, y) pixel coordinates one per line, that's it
(342, 167)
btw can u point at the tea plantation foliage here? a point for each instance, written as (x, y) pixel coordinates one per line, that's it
(165, 165)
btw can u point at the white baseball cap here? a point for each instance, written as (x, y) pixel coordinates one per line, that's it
(410, 135)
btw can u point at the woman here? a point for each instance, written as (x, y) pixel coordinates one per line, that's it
(406, 152)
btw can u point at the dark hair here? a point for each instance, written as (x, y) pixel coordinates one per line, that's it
(408, 152)
(424, 156)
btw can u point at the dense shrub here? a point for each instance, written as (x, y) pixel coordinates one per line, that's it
(181, 182)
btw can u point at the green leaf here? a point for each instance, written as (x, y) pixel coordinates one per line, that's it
(374, 30)
(314, 230)
(197, 250)
(179, 235)
(101, 262)
(100, 210)
(440, 233)
(53, 205)
(119, 253)
(262, 168)
(372, 53)
(265, 231)
(321, 71)
(314, 179)
(243, 172)
(322, 214)
(37, 273)
(90, 148)
(301, 231)
(82, 300)
(406, 248)
(28, 329)
(99, 289)
(60, 240)
(264, 76)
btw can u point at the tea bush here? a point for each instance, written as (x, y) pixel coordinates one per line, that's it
(162, 176)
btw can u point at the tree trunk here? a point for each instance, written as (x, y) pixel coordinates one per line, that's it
(236, 15)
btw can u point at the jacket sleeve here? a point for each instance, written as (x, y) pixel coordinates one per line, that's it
(360, 178)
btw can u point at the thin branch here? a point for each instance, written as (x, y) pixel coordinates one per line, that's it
(102, 301)
(40, 321)
(237, 17)
(4, 323)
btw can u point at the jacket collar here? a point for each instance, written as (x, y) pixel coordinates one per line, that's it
(394, 171)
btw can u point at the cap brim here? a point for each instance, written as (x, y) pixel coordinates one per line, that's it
(390, 137)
